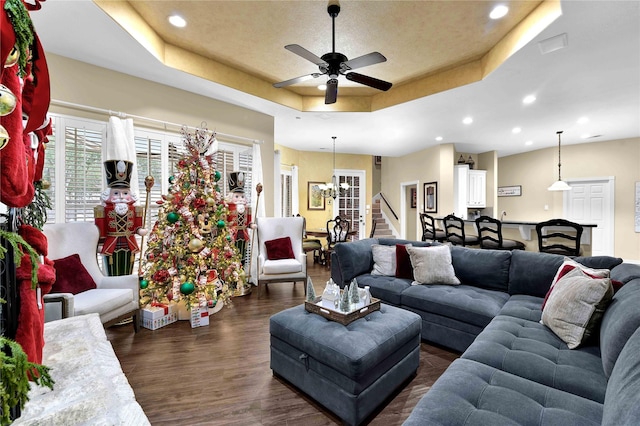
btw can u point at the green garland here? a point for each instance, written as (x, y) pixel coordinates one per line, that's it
(35, 214)
(19, 246)
(15, 370)
(23, 28)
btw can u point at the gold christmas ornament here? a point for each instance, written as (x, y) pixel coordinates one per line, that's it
(12, 59)
(4, 137)
(46, 184)
(7, 101)
(195, 245)
(211, 201)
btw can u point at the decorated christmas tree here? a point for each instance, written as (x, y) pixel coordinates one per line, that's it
(190, 253)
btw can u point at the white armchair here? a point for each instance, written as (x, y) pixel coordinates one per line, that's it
(114, 299)
(281, 270)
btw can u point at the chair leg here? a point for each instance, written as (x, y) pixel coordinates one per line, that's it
(136, 323)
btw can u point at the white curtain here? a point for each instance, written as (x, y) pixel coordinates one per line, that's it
(277, 188)
(258, 209)
(295, 202)
(119, 144)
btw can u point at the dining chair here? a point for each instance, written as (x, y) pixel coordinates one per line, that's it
(310, 244)
(490, 235)
(429, 231)
(337, 232)
(559, 241)
(281, 257)
(454, 229)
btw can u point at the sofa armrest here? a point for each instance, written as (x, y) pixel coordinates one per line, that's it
(58, 306)
(122, 281)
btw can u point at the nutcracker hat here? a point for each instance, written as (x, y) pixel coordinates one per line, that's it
(236, 181)
(118, 173)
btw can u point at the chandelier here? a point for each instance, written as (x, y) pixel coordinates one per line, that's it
(559, 185)
(332, 189)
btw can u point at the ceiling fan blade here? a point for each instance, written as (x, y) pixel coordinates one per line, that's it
(301, 51)
(364, 60)
(296, 80)
(331, 94)
(369, 81)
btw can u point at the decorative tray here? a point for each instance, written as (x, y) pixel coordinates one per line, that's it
(343, 318)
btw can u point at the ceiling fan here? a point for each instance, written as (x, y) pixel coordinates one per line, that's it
(334, 64)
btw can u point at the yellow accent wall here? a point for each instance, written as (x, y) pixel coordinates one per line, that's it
(318, 167)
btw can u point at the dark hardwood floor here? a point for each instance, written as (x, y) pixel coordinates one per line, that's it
(219, 374)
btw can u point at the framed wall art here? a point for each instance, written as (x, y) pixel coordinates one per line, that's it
(315, 200)
(431, 197)
(510, 191)
(414, 198)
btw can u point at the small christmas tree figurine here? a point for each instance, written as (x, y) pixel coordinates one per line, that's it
(311, 292)
(191, 254)
(354, 295)
(344, 300)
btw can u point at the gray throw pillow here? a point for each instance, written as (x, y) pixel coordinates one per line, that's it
(384, 260)
(432, 265)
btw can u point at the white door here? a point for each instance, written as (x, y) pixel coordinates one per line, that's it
(591, 201)
(351, 205)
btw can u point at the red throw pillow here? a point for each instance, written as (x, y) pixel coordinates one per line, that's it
(404, 268)
(71, 276)
(280, 248)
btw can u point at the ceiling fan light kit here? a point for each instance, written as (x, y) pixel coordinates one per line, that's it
(335, 64)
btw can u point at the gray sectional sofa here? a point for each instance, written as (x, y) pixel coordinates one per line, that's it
(513, 369)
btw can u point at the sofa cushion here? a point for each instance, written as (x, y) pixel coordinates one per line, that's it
(532, 273)
(388, 289)
(394, 241)
(432, 265)
(481, 267)
(523, 306)
(467, 304)
(470, 393)
(620, 320)
(625, 272)
(599, 262)
(621, 402)
(576, 305)
(530, 350)
(281, 266)
(355, 258)
(101, 300)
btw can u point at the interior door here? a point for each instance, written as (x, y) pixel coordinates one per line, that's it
(351, 205)
(591, 201)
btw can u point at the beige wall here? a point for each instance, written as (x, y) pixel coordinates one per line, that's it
(81, 83)
(536, 170)
(318, 167)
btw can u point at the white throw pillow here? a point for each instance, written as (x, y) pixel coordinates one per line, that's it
(384, 260)
(576, 305)
(432, 265)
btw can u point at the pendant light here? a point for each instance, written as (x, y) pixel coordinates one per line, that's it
(332, 189)
(559, 185)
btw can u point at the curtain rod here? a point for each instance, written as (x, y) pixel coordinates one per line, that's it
(139, 117)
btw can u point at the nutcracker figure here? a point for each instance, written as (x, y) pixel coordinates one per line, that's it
(118, 219)
(239, 213)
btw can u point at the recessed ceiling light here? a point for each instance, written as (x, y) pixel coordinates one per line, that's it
(528, 143)
(439, 138)
(498, 11)
(322, 87)
(467, 120)
(177, 21)
(529, 99)
(583, 120)
(516, 130)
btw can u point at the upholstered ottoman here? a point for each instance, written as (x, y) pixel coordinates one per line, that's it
(349, 369)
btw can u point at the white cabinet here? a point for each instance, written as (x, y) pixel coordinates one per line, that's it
(477, 191)
(470, 190)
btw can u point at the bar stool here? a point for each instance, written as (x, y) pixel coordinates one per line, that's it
(429, 231)
(558, 242)
(490, 234)
(454, 228)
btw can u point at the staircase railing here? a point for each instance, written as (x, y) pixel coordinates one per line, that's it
(388, 205)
